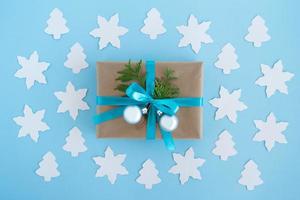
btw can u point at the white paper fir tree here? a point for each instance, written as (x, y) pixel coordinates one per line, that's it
(148, 175)
(224, 146)
(56, 24)
(48, 167)
(258, 32)
(153, 24)
(76, 59)
(75, 142)
(227, 59)
(250, 176)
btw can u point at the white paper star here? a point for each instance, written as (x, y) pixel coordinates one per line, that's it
(194, 34)
(71, 100)
(109, 31)
(187, 166)
(228, 104)
(274, 78)
(31, 124)
(32, 69)
(270, 131)
(110, 165)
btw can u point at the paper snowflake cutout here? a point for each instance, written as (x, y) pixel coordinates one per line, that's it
(31, 124)
(228, 104)
(187, 166)
(270, 131)
(109, 31)
(71, 100)
(32, 70)
(194, 34)
(274, 78)
(110, 165)
(250, 176)
(56, 24)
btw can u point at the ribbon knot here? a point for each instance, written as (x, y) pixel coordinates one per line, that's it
(137, 93)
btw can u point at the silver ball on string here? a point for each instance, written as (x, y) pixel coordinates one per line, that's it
(167, 122)
(132, 114)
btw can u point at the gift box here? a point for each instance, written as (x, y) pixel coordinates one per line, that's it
(189, 81)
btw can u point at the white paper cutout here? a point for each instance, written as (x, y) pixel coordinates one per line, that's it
(71, 100)
(148, 175)
(109, 31)
(32, 69)
(76, 59)
(270, 131)
(224, 146)
(153, 24)
(75, 142)
(274, 78)
(48, 167)
(110, 165)
(250, 176)
(228, 104)
(194, 34)
(31, 124)
(227, 59)
(257, 32)
(187, 166)
(56, 24)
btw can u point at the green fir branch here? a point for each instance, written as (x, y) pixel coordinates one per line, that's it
(130, 74)
(164, 87)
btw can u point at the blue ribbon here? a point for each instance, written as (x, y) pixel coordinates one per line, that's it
(136, 95)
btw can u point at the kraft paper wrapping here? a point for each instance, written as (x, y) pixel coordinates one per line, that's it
(190, 81)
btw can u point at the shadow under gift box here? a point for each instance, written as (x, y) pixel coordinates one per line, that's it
(190, 82)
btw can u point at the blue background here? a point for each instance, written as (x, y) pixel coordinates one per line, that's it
(22, 31)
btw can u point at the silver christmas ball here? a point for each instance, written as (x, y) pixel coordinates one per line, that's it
(132, 114)
(168, 123)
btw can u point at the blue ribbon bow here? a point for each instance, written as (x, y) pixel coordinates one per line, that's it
(167, 106)
(138, 96)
